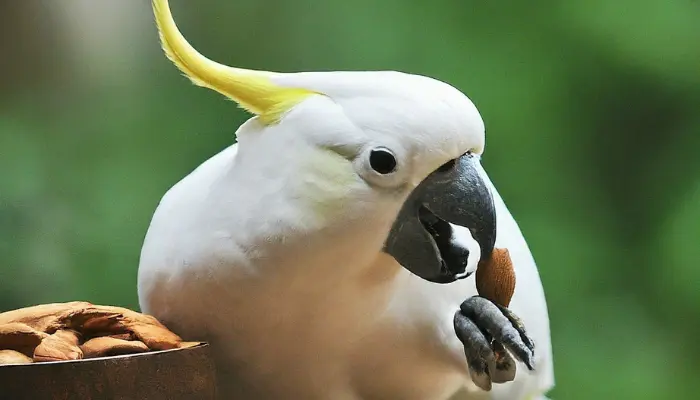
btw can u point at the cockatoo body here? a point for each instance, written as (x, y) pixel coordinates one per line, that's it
(326, 254)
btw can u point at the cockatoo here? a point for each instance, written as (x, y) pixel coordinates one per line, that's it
(327, 253)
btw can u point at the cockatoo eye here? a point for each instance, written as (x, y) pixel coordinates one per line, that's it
(382, 160)
(384, 166)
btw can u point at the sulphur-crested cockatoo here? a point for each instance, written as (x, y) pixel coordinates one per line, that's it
(325, 255)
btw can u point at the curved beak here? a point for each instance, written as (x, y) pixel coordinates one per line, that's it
(428, 235)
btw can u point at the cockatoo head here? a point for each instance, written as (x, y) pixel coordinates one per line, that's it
(397, 152)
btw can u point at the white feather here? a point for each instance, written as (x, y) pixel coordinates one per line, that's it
(378, 333)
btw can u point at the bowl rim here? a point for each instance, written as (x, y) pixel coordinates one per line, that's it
(201, 345)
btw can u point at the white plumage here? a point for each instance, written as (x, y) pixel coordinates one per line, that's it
(373, 332)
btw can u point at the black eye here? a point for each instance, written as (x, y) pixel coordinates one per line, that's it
(447, 166)
(382, 160)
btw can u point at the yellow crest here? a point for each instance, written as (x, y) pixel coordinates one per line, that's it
(252, 90)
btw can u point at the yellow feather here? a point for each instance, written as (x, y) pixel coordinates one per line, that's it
(252, 90)
(329, 181)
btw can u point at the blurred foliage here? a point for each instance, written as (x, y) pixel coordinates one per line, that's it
(592, 111)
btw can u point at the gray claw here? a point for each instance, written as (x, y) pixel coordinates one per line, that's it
(477, 349)
(507, 331)
(519, 325)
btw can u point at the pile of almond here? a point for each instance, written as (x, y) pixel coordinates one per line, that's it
(78, 330)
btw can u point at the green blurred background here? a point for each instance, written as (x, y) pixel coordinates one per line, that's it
(592, 111)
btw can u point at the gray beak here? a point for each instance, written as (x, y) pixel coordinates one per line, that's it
(424, 237)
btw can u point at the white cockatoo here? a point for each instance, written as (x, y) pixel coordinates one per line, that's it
(329, 253)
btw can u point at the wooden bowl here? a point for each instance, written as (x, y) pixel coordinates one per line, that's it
(179, 374)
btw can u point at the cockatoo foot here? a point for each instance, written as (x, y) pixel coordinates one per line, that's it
(487, 330)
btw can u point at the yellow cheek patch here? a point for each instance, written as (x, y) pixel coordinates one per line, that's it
(253, 90)
(328, 181)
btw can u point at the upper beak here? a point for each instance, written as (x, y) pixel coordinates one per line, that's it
(465, 200)
(428, 235)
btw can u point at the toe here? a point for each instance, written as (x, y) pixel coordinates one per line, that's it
(489, 317)
(519, 326)
(477, 350)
